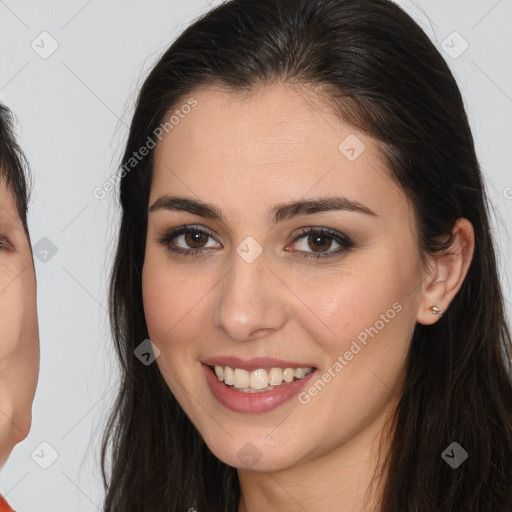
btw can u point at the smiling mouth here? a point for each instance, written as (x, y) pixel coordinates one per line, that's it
(260, 380)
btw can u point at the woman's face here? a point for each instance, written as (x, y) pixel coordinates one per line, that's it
(19, 339)
(256, 293)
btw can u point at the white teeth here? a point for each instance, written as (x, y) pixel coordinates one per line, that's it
(258, 380)
(300, 372)
(275, 377)
(288, 375)
(219, 371)
(228, 376)
(241, 378)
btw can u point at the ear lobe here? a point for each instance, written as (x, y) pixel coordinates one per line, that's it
(448, 272)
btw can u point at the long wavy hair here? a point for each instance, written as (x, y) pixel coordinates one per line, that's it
(384, 76)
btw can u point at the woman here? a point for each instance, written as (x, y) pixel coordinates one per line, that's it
(19, 340)
(305, 240)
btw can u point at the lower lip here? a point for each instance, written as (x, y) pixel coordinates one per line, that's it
(254, 402)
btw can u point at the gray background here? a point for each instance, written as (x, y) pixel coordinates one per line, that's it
(73, 108)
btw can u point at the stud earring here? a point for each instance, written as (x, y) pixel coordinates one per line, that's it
(436, 311)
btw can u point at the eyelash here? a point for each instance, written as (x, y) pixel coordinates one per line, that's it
(342, 239)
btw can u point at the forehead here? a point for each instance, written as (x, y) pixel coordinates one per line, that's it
(9, 217)
(267, 146)
(8, 210)
(267, 126)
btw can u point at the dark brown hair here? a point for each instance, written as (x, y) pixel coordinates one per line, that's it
(383, 75)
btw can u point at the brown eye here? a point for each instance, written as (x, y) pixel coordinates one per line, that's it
(320, 240)
(194, 240)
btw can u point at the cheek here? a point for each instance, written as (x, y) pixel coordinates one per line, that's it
(19, 354)
(357, 305)
(18, 309)
(155, 297)
(171, 301)
(173, 310)
(159, 298)
(341, 310)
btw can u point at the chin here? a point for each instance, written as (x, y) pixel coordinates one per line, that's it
(252, 453)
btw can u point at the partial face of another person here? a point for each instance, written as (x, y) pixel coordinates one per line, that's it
(19, 337)
(336, 292)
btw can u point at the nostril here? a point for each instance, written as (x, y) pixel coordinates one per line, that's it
(260, 333)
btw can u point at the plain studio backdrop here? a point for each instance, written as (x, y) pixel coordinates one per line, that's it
(70, 72)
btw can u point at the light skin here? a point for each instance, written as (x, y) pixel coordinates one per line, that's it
(244, 154)
(19, 338)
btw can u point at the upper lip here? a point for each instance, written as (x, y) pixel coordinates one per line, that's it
(253, 364)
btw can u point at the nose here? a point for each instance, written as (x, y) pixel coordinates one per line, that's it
(250, 300)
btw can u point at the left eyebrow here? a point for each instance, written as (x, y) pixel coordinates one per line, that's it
(277, 213)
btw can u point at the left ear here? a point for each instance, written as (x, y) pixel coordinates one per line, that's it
(447, 273)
